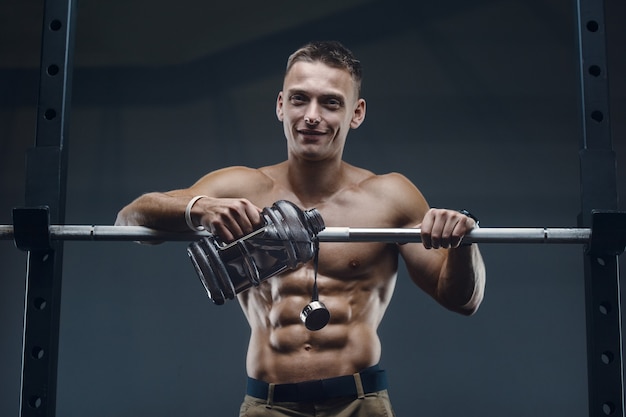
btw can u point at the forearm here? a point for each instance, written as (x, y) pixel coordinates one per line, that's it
(461, 283)
(196, 209)
(156, 210)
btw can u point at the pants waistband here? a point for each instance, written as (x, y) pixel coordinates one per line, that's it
(367, 381)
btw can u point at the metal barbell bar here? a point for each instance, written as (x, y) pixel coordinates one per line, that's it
(329, 234)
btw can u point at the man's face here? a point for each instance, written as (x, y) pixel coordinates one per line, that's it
(318, 106)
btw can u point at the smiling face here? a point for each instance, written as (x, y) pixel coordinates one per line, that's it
(318, 106)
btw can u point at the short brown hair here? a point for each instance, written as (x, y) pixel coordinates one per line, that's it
(331, 53)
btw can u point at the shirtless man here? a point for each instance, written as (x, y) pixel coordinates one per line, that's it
(319, 103)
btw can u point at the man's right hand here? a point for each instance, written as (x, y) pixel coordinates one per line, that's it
(228, 218)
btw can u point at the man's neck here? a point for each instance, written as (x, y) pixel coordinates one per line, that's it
(315, 181)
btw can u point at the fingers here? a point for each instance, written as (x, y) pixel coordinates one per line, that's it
(230, 218)
(442, 228)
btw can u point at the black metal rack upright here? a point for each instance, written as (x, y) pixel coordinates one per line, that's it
(598, 180)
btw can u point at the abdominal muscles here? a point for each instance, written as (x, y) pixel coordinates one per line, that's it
(282, 349)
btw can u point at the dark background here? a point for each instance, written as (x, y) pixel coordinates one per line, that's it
(477, 102)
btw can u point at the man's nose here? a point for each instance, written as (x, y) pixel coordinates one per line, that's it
(312, 115)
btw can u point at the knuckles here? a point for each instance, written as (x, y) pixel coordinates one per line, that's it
(442, 228)
(231, 218)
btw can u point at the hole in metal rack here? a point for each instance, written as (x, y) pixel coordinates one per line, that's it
(35, 401)
(605, 308)
(40, 303)
(597, 115)
(37, 352)
(595, 70)
(52, 70)
(608, 408)
(607, 357)
(592, 26)
(50, 114)
(56, 25)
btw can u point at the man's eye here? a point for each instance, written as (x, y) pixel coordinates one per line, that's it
(297, 99)
(333, 104)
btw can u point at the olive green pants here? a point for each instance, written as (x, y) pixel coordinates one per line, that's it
(376, 404)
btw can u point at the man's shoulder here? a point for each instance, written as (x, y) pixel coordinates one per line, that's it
(395, 190)
(390, 182)
(239, 173)
(374, 183)
(234, 181)
(238, 170)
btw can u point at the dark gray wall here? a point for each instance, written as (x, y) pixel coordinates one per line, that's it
(476, 103)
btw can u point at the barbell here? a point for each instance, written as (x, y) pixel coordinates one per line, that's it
(329, 234)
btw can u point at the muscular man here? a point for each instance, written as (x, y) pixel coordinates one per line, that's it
(319, 103)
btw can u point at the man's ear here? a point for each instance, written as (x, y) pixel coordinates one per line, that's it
(279, 106)
(359, 114)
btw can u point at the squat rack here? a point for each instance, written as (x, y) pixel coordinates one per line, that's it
(46, 177)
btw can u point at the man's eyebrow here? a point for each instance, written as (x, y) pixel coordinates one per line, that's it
(323, 97)
(297, 91)
(339, 97)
